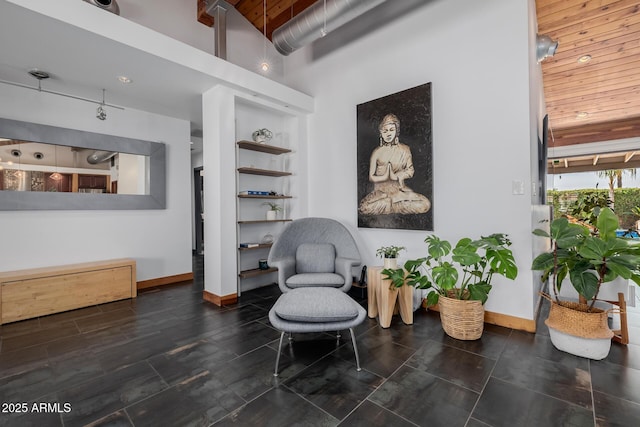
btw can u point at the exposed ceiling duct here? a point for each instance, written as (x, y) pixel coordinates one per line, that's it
(108, 5)
(317, 20)
(100, 156)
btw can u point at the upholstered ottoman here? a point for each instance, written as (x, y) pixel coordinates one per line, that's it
(316, 310)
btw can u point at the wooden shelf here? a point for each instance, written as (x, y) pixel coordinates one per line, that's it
(260, 246)
(263, 172)
(257, 196)
(256, 272)
(261, 221)
(263, 148)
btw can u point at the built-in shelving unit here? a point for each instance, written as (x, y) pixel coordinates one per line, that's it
(253, 196)
(260, 167)
(245, 274)
(263, 172)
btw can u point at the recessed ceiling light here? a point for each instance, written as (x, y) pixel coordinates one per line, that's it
(124, 79)
(264, 66)
(584, 59)
(582, 114)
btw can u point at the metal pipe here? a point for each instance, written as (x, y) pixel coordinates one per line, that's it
(108, 5)
(317, 20)
(100, 156)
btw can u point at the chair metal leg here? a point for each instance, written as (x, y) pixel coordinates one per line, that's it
(355, 349)
(275, 374)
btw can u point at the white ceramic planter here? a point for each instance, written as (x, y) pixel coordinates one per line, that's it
(391, 263)
(272, 215)
(591, 348)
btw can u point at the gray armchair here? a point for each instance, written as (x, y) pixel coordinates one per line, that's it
(313, 252)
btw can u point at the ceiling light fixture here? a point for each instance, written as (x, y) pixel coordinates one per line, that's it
(545, 47)
(124, 79)
(101, 113)
(582, 115)
(323, 31)
(43, 75)
(264, 65)
(584, 59)
(56, 176)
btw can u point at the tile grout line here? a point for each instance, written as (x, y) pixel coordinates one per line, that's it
(593, 400)
(495, 363)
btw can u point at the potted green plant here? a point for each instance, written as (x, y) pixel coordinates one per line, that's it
(589, 260)
(274, 208)
(460, 297)
(390, 255)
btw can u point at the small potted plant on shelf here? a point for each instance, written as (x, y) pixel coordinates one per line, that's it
(460, 297)
(590, 258)
(274, 208)
(390, 255)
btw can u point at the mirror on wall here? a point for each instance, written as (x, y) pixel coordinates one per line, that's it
(36, 166)
(46, 167)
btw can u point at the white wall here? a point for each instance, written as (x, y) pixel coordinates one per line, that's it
(178, 19)
(174, 18)
(159, 240)
(476, 54)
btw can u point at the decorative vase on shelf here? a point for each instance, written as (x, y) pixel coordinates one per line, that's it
(271, 215)
(262, 136)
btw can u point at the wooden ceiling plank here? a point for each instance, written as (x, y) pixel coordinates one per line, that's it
(605, 24)
(629, 156)
(285, 16)
(613, 37)
(545, 8)
(579, 12)
(620, 129)
(606, 98)
(595, 71)
(569, 60)
(201, 13)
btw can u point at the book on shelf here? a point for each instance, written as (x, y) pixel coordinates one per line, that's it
(254, 193)
(249, 245)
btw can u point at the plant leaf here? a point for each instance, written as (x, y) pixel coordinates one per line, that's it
(437, 248)
(445, 276)
(502, 262)
(607, 224)
(479, 292)
(584, 280)
(432, 298)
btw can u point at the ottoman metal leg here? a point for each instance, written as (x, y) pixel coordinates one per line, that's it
(355, 349)
(275, 374)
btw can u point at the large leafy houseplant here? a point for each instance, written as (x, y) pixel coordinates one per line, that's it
(477, 260)
(589, 259)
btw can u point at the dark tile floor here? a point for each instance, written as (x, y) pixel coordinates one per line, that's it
(169, 359)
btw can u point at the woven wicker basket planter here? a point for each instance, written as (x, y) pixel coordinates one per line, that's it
(576, 331)
(461, 319)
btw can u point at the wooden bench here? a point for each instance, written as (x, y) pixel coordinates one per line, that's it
(25, 294)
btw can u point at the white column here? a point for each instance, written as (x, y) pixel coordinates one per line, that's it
(218, 155)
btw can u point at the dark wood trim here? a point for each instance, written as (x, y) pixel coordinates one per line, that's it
(218, 300)
(596, 132)
(202, 15)
(168, 280)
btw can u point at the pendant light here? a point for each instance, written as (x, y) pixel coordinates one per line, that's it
(264, 65)
(56, 176)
